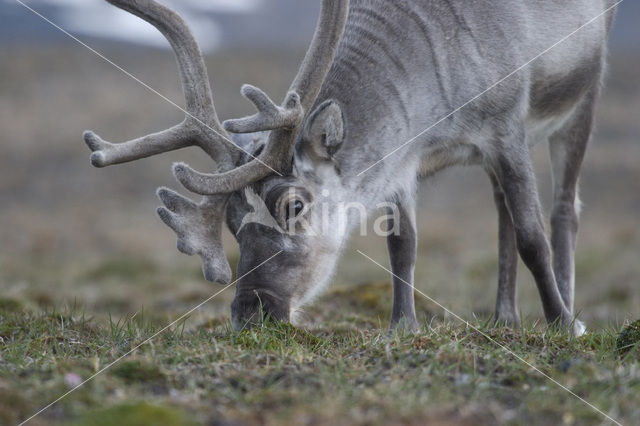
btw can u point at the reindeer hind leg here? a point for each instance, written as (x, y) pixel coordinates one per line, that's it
(567, 148)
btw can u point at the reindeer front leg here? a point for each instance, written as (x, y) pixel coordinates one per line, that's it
(402, 243)
(506, 312)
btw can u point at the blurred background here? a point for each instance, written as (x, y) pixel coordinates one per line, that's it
(70, 233)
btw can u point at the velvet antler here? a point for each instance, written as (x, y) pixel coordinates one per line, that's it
(285, 121)
(199, 226)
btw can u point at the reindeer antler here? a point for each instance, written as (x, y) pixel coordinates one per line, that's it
(192, 224)
(199, 226)
(201, 125)
(269, 116)
(278, 152)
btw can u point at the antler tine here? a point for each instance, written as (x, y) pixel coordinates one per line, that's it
(198, 226)
(269, 116)
(107, 153)
(201, 125)
(197, 230)
(278, 152)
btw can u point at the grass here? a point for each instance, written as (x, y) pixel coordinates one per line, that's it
(348, 371)
(70, 233)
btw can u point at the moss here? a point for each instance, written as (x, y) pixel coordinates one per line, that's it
(135, 415)
(13, 406)
(138, 371)
(629, 338)
(371, 299)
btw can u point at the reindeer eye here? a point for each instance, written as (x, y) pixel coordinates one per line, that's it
(294, 209)
(286, 203)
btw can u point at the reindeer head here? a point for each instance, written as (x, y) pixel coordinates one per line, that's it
(268, 180)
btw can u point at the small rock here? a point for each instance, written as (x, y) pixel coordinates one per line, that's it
(72, 380)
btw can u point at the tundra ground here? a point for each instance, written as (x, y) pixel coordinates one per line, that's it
(347, 371)
(87, 272)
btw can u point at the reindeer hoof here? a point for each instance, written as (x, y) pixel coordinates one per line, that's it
(507, 319)
(404, 326)
(579, 328)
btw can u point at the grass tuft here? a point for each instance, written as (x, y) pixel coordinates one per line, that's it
(629, 339)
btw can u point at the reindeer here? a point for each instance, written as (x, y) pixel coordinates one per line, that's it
(377, 74)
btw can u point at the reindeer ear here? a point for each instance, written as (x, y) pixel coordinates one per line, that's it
(323, 132)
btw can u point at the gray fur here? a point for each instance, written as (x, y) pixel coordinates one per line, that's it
(402, 248)
(399, 68)
(324, 131)
(567, 148)
(506, 310)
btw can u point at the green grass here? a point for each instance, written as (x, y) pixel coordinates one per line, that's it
(348, 371)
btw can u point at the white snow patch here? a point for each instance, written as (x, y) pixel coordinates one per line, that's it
(97, 18)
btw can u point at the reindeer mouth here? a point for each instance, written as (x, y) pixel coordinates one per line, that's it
(253, 307)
